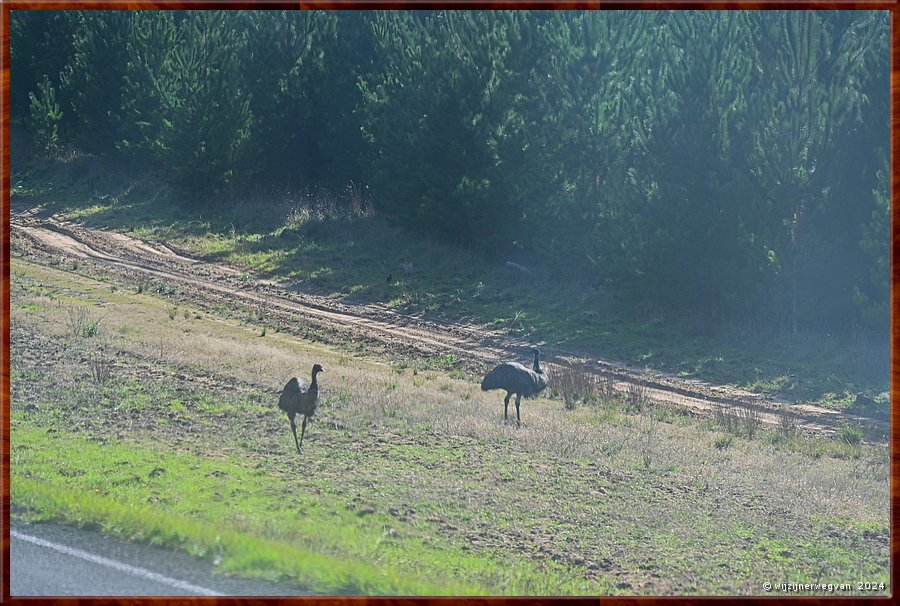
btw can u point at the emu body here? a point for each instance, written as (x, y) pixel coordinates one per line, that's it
(300, 398)
(517, 379)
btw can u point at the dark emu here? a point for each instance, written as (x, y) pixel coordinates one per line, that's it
(516, 379)
(299, 398)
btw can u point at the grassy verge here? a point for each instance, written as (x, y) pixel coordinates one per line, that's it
(112, 487)
(312, 240)
(411, 482)
(245, 521)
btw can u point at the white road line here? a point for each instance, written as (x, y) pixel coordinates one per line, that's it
(135, 570)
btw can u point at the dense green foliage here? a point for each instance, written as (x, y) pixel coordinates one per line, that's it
(722, 163)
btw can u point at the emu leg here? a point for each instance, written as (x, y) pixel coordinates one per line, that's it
(294, 429)
(506, 404)
(302, 431)
(518, 399)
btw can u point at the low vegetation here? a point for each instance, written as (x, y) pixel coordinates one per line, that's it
(411, 482)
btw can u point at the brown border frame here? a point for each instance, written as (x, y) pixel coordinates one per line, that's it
(892, 5)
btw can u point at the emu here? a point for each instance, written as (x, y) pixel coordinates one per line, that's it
(299, 397)
(516, 379)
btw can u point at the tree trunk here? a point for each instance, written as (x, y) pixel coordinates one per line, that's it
(794, 294)
(795, 251)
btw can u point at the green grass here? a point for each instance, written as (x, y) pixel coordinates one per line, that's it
(198, 504)
(248, 522)
(405, 480)
(815, 447)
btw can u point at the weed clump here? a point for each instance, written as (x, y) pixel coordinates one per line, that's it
(787, 424)
(577, 385)
(636, 398)
(738, 421)
(647, 427)
(574, 386)
(723, 442)
(852, 434)
(81, 323)
(101, 369)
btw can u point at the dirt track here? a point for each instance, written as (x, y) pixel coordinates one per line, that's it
(207, 284)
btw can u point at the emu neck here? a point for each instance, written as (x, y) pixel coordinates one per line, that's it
(537, 364)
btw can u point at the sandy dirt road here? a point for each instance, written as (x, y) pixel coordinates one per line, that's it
(44, 238)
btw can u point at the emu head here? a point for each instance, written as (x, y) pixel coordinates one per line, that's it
(317, 368)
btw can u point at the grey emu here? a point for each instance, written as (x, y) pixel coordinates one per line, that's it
(516, 379)
(299, 397)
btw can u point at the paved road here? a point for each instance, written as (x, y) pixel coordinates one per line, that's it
(54, 560)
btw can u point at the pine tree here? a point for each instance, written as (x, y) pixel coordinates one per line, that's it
(805, 95)
(93, 78)
(205, 106)
(44, 118)
(152, 38)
